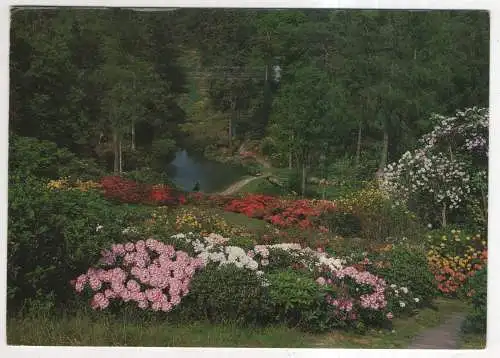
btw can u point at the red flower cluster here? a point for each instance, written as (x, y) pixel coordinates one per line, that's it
(123, 190)
(128, 191)
(284, 213)
(297, 212)
(254, 206)
(451, 279)
(162, 194)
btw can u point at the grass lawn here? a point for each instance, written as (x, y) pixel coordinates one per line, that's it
(236, 219)
(263, 186)
(80, 330)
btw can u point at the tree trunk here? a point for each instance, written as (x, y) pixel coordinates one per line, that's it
(451, 153)
(443, 215)
(230, 133)
(132, 146)
(358, 146)
(120, 155)
(485, 205)
(304, 174)
(290, 159)
(116, 161)
(385, 149)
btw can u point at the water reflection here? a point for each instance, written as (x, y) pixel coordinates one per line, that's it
(186, 169)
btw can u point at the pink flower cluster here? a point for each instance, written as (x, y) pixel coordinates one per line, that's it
(375, 300)
(152, 274)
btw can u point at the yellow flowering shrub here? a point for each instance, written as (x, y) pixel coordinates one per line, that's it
(86, 185)
(379, 216)
(187, 221)
(453, 256)
(59, 184)
(67, 184)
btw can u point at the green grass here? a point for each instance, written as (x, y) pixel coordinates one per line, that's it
(80, 330)
(473, 341)
(236, 219)
(263, 186)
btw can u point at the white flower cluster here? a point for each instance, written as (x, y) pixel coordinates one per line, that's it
(210, 249)
(310, 258)
(230, 255)
(403, 294)
(471, 124)
(429, 170)
(421, 172)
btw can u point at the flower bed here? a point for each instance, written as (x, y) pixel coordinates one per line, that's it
(156, 276)
(280, 212)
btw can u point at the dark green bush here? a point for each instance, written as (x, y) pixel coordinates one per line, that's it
(54, 235)
(161, 149)
(246, 243)
(148, 176)
(297, 300)
(409, 268)
(341, 223)
(41, 158)
(475, 290)
(226, 293)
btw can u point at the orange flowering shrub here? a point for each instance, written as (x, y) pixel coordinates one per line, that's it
(454, 257)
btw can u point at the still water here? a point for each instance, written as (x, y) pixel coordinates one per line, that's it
(186, 169)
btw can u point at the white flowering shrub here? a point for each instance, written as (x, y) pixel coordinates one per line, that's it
(449, 169)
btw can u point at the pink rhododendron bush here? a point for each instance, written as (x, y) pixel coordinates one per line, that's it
(150, 273)
(281, 283)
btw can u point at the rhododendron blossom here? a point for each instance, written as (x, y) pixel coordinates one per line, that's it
(152, 274)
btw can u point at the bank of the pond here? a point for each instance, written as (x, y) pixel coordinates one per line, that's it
(187, 169)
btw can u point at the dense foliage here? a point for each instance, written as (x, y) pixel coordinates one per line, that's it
(126, 88)
(321, 101)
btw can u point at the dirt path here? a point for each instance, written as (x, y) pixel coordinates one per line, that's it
(235, 187)
(445, 336)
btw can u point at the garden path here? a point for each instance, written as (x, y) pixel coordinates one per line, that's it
(445, 336)
(235, 187)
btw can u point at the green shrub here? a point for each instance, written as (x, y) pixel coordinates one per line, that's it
(341, 223)
(245, 243)
(379, 217)
(54, 235)
(475, 290)
(41, 158)
(226, 293)
(148, 176)
(161, 149)
(296, 299)
(268, 146)
(408, 268)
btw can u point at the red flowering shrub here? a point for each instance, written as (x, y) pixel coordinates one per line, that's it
(254, 206)
(283, 213)
(129, 191)
(123, 190)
